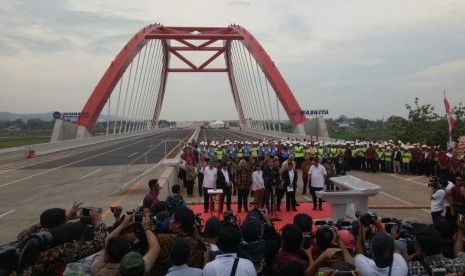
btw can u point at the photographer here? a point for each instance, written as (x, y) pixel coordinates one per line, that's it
(291, 259)
(51, 218)
(258, 245)
(107, 261)
(438, 196)
(385, 261)
(52, 260)
(181, 226)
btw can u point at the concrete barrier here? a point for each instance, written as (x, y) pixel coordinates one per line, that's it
(13, 154)
(19, 153)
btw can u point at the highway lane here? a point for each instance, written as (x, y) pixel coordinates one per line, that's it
(87, 177)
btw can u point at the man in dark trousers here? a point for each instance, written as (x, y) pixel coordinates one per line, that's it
(224, 180)
(290, 185)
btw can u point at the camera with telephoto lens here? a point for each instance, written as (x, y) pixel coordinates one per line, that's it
(367, 218)
(230, 219)
(434, 183)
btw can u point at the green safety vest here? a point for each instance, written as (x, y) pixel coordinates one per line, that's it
(332, 152)
(388, 156)
(240, 153)
(298, 151)
(406, 156)
(254, 151)
(379, 154)
(320, 152)
(219, 154)
(361, 152)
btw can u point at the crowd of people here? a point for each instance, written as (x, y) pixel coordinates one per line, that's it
(165, 237)
(269, 169)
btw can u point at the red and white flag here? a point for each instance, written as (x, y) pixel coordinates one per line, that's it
(450, 120)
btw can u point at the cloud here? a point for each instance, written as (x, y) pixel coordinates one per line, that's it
(239, 3)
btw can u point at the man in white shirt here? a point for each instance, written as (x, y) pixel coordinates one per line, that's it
(316, 175)
(384, 262)
(209, 182)
(228, 263)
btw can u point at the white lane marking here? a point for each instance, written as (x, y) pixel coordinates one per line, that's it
(89, 174)
(65, 165)
(150, 146)
(133, 154)
(406, 179)
(415, 177)
(401, 200)
(6, 213)
(8, 170)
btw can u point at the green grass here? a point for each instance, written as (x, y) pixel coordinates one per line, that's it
(367, 134)
(22, 140)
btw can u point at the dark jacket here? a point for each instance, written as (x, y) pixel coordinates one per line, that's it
(221, 179)
(287, 181)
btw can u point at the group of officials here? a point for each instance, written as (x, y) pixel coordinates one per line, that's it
(262, 171)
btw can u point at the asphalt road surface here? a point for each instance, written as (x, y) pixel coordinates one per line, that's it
(91, 174)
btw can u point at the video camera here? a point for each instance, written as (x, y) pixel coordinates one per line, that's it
(17, 256)
(230, 219)
(434, 183)
(366, 219)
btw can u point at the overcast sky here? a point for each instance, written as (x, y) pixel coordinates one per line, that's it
(355, 58)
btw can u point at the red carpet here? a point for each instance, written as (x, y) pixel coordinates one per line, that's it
(286, 217)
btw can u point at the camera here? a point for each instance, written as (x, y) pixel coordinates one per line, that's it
(138, 217)
(367, 218)
(230, 219)
(86, 211)
(307, 240)
(434, 183)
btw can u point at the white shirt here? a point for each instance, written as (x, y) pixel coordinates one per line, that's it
(209, 177)
(257, 181)
(367, 266)
(437, 203)
(222, 265)
(317, 175)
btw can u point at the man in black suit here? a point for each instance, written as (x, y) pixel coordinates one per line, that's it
(224, 180)
(290, 184)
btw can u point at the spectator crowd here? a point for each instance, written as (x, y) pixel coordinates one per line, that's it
(165, 237)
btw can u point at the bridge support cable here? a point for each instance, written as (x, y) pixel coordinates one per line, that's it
(270, 104)
(242, 85)
(143, 93)
(250, 90)
(234, 69)
(115, 124)
(134, 93)
(233, 83)
(149, 87)
(124, 118)
(258, 92)
(268, 118)
(140, 112)
(155, 84)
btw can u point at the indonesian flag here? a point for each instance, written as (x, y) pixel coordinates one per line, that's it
(450, 119)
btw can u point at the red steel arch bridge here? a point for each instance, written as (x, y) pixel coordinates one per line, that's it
(134, 85)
